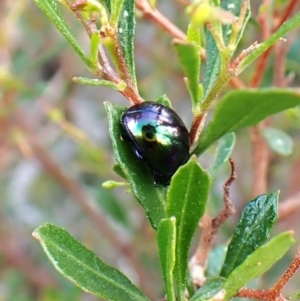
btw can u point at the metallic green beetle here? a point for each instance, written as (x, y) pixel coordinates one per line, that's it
(158, 136)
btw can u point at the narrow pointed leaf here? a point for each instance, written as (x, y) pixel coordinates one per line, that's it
(99, 82)
(166, 241)
(83, 267)
(49, 8)
(189, 57)
(223, 152)
(257, 263)
(118, 170)
(278, 140)
(211, 287)
(137, 174)
(252, 230)
(242, 108)
(285, 28)
(126, 29)
(213, 63)
(186, 201)
(213, 60)
(116, 7)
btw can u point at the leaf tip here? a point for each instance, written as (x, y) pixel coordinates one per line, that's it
(173, 219)
(36, 234)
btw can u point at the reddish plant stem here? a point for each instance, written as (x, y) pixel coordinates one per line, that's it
(273, 293)
(288, 11)
(158, 18)
(197, 127)
(105, 70)
(260, 148)
(289, 206)
(263, 60)
(260, 161)
(260, 154)
(237, 83)
(294, 176)
(280, 52)
(130, 91)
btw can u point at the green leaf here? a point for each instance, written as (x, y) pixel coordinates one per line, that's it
(209, 289)
(193, 35)
(126, 28)
(116, 7)
(234, 6)
(166, 241)
(295, 296)
(94, 46)
(186, 201)
(137, 174)
(213, 59)
(118, 170)
(99, 82)
(164, 100)
(189, 57)
(278, 140)
(83, 267)
(215, 261)
(285, 28)
(213, 63)
(223, 152)
(49, 8)
(258, 263)
(253, 229)
(242, 108)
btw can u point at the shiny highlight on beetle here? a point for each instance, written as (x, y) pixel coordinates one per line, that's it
(158, 136)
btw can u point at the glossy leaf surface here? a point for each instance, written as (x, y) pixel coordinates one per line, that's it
(258, 263)
(223, 152)
(242, 108)
(186, 201)
(83, 267)
(126, 29)
(141, 182)
(252, 230)
(213, 60)
(166, 241)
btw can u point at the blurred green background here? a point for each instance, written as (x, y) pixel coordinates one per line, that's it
(55, 152)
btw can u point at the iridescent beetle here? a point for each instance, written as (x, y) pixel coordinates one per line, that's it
(158, 136)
